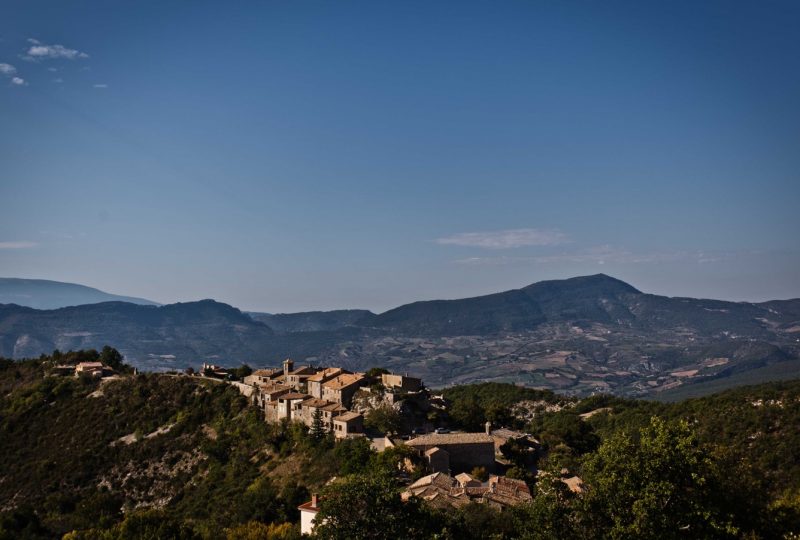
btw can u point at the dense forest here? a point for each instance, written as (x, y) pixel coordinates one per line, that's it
(172, 456)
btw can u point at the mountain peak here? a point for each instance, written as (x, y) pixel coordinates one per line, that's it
(596, 284)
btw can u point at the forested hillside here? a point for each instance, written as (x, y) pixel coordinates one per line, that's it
(172, 456)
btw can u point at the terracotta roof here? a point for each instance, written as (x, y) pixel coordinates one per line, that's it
(346, 417)
(440, 439)
(434, 450)
(293, 395)
(307, 506)
(325, 374)
(334, 407)
(343, 381)
(315, 403)
(90, 365)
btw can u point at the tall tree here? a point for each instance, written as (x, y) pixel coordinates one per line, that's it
(317, 431)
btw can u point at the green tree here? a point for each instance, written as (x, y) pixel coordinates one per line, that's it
(468, 413)
(317, 431)
(384, 419)
(369, 507)
(550, 515)
(661, 486)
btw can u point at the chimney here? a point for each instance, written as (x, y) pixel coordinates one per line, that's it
(314, 500)
(488, 428)
(288, 366)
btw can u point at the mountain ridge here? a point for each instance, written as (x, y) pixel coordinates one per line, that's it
(49, 294)
(579, 335)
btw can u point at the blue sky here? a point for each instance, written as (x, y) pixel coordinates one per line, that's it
(286, 156)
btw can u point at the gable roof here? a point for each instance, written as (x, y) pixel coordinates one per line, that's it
(440, 439)
(346, 417)
(343, 381)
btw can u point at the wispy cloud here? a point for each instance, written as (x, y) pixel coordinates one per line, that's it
(18, 245)
(507, 239)
(11, 72)
(41, 51)
(100, 86)
(605, 254)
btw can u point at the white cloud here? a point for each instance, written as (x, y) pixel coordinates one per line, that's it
(58, 80)
(7, 69)
(18, 245)
(604, 254)
(507, 239)
(18, 81)
(100, 85)
(40, 51)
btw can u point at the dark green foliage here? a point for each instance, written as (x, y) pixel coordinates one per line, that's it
(384, 419)
(376, 372)
(241, 372)
(369, 507)
(353, 455)
(317, 431)
(472, 405)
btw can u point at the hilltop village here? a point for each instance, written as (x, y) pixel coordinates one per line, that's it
(462, 467)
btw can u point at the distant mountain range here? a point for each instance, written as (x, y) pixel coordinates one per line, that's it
(46, 294)
(580, 335)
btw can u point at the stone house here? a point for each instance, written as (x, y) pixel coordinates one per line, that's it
(341, 388)
(347, 424)
(92, 369)
(465, 450)
(314, 382)
(262, 376)
(401, 383)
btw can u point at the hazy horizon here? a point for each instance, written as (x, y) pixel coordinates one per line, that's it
(286, 157)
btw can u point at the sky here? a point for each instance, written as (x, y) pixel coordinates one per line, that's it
(297, 155)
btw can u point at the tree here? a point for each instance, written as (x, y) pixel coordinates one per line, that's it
(353, 455)
(661, 486)
(384, 419)
(549, 515)
(468, 413)
(112, 358)
(369, 507)
(317, 431)
(376, 372)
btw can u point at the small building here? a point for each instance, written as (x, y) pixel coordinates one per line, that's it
(466, 450)
(347, 424)
(92, 369)
(308, 514)
(341, 389)
(314, 382)
(438, 460)
(262, 376)
(270, 392)
(327, 410)
(401, 383)
(290, 406)
(466, 480)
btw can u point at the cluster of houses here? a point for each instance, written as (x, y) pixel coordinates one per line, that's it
(304, 393)
(313, 394)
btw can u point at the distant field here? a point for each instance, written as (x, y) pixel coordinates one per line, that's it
(781, 371)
